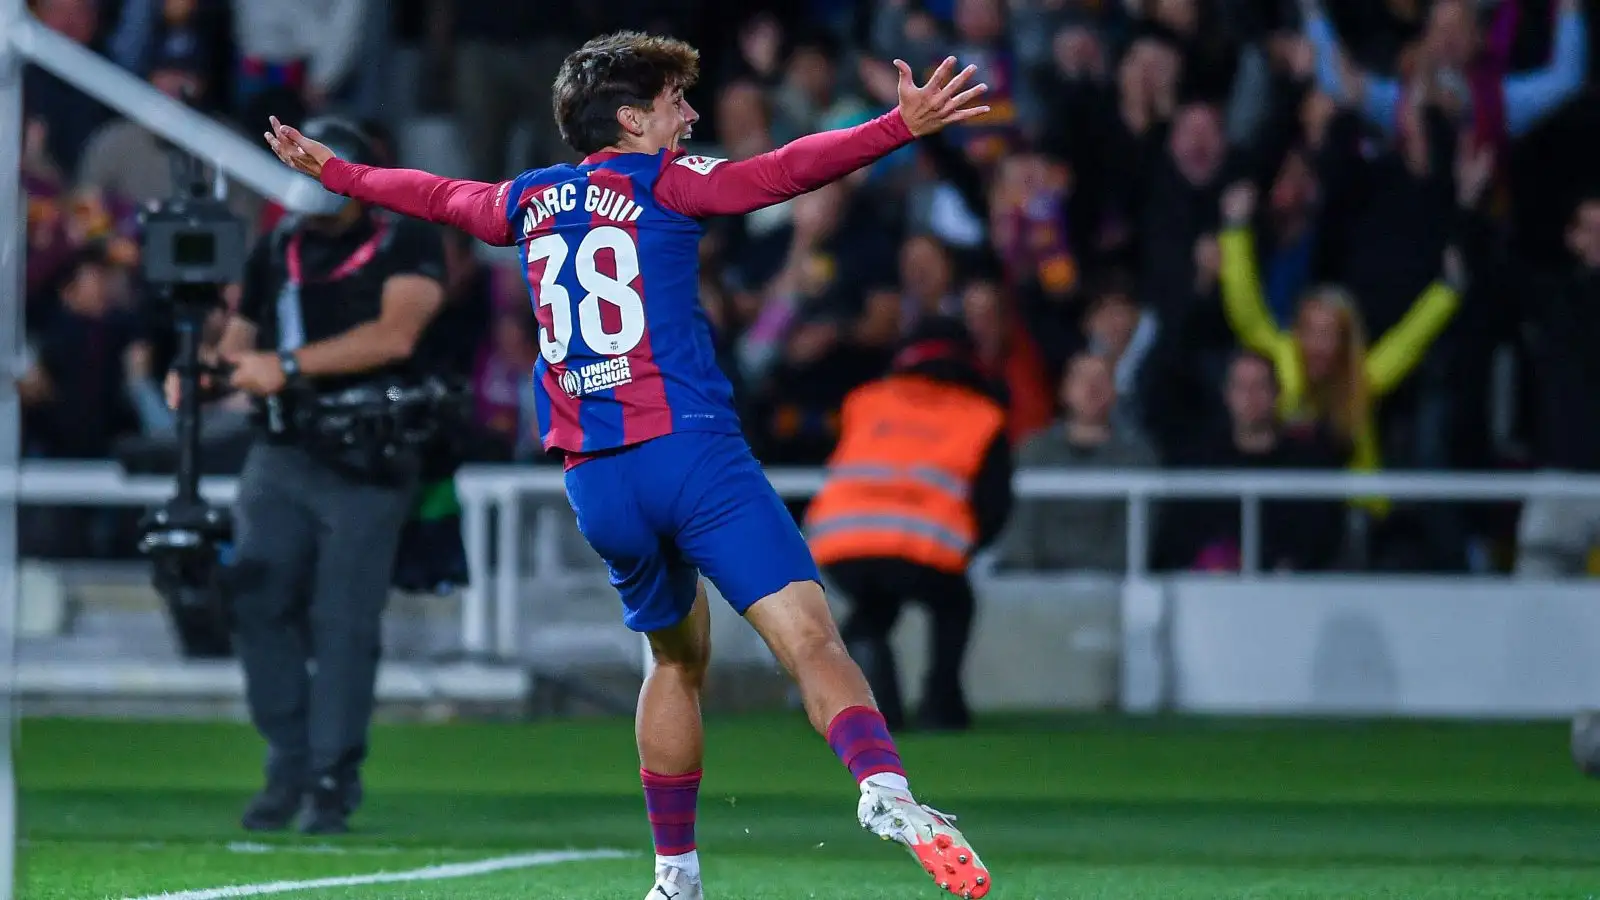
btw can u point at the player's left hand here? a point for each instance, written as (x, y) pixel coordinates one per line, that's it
(297, 151)
(943, 101)
(259, 374)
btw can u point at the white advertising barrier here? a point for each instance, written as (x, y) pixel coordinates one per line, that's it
(1038, 643)
(1256, 643)
(1391, 646)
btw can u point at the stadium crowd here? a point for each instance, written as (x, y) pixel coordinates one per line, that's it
(1193, 233)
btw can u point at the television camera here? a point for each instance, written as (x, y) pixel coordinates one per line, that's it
(192, 247)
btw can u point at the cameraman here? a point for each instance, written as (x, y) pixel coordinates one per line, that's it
(328, 303)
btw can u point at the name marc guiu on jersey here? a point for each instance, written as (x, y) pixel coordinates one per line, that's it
(597, 200)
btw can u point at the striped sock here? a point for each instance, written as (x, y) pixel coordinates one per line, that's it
(670, 801)
(860, 738)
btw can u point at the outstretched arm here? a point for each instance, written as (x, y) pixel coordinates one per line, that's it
(477, 208)
(696, 186)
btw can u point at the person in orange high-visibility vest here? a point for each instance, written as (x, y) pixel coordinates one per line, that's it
(919, 482)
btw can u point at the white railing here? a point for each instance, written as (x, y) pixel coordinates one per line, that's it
(489, 616)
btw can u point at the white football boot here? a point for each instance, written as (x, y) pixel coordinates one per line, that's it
(675, 884)
(930, 835)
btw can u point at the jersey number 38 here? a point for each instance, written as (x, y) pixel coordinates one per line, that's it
(617, 291)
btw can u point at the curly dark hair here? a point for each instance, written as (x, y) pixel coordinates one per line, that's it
(629, 68)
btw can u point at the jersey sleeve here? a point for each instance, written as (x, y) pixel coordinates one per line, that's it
(475, 207)
(698, 186)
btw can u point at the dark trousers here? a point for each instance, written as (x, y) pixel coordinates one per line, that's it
(877, 590)
(314, 556)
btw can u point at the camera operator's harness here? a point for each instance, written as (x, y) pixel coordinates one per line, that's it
(367, 431)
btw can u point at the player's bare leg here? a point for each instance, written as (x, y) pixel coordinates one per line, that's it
(672, 748)
(798, 626)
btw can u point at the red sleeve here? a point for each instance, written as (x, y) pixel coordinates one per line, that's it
(697, 186)
(474, 207)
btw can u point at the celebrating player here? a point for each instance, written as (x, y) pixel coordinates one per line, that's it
(663, 484)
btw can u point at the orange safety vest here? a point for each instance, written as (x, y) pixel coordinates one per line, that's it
(899, 484)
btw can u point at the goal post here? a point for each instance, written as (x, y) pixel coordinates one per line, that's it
(13, 249)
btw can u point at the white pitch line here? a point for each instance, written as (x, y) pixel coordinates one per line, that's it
(427, 873)
(253, 848)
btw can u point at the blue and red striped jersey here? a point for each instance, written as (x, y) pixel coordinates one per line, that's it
(625, 349)
(610, 248)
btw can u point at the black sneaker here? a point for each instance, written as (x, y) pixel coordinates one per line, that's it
(274, 808)
(327, 808)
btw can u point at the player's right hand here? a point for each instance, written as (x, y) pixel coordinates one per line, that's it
(297, 151)
(943, 101)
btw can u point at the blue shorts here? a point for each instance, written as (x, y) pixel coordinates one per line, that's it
(662, 512)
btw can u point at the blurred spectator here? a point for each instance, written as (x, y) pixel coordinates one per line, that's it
(1296, 535)
(927, 280)
(1032, 232)
(1009, 362)
(796, 418)
(309, 46)
(810, 98)
(818, 264)
(1559, 536)
(1394, 208)
(1326, 372)
(1461, 67)
(69, 114)
(503, 386)
(1289, 245)
(87, 353)
(1123, 333)
(150, 31)
(1077, 534)
(501, 60)
(1179, 192)
(49, 243)
(123, 158)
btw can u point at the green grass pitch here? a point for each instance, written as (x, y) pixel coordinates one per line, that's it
(1069, 808)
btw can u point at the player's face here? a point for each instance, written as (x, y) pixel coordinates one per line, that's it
(671, 120)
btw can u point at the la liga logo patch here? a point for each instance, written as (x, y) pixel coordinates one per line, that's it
(701, 165)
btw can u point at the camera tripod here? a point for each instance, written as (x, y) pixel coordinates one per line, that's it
(185, 536)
